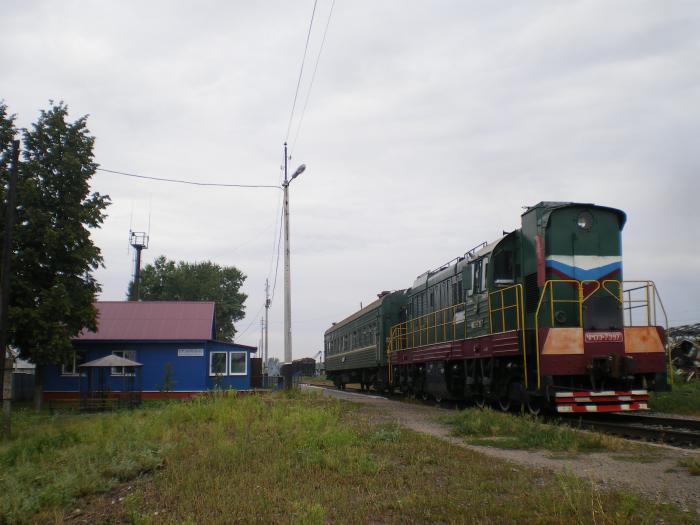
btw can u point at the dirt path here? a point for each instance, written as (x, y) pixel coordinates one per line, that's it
(662, 480)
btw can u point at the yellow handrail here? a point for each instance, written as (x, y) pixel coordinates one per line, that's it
(550, 284)
(651, 296)
(519, 317)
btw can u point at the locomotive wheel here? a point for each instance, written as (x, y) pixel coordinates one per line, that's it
(534, 407)
(438, 399)
(479, 400)
(504, 404)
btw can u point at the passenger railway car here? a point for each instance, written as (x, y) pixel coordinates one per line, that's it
(355, 348)
(541, 317)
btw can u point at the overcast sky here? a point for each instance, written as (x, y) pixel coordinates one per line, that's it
(429, 126)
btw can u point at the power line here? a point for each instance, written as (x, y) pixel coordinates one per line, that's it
(313, 76)
(278, 216)
(277, 265)
(190, 182)
(254, 318)
(301, 70)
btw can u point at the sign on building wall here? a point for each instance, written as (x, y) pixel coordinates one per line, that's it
(190, 352)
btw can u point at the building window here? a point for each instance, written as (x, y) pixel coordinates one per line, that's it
(217, 363)
(120, 370)
(238, 364)
(70, 368)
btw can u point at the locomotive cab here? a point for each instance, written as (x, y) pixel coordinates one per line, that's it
(593, 330)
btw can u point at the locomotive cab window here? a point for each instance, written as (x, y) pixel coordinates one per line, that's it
(503, 268)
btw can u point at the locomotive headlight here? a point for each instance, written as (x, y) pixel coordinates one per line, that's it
(585, 220)
(560, 316)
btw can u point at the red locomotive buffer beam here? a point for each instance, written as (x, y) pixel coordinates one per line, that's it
(601, 401)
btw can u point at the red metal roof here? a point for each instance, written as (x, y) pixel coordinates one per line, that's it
(152, 321)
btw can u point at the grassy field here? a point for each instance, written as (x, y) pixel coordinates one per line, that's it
(683, 399)
(488, 427)
(297, 458)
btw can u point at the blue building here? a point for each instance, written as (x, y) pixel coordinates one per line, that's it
(175, 342)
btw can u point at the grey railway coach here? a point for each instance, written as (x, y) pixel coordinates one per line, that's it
(356, 347)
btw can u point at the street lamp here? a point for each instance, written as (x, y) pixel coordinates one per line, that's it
(287, 277)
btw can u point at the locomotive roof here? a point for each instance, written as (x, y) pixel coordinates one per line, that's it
(365, 310)
(449, 268)
(553, 205)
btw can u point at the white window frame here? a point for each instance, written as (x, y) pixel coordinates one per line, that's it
(75, 371)
(113, 370)
(245, 361)
(211, 359)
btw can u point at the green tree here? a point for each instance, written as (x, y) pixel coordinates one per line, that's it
(166, 280)
(53, 289)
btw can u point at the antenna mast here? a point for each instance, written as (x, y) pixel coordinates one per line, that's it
(138, 241)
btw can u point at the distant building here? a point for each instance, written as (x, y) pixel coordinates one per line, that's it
(175, 342)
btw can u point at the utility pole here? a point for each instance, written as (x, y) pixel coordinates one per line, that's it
(287, 276)
(6, 387)
(262, 338)
(267, 311)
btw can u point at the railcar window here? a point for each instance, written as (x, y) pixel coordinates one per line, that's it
(476, 277)
(484, 273)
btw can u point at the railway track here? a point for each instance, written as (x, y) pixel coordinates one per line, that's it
(675, 431)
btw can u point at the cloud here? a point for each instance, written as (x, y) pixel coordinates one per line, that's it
(428, 128)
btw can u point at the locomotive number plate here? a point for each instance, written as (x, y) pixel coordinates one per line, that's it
(603, 337)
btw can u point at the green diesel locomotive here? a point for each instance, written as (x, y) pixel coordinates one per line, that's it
(541, 317)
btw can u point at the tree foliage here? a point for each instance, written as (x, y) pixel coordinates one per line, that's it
(166, 280)
(53, 288)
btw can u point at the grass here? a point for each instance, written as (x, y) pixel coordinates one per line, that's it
(317, 380)
(298, 458)
(487, 427)
(642, 457)
(683, 399)
(692, 464)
